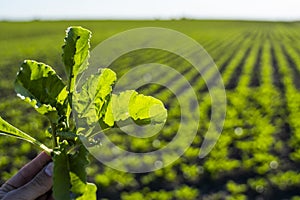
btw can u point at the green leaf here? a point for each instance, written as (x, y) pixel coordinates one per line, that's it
(118, 108)
(75, 53)
(140, 108)
(78, 163)
(89, 193)
(61, 176)
(94, 96)
(95, 103)
(38, 84)
(143, 107)
(9, 130)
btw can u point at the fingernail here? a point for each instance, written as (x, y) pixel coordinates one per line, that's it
(49, 169)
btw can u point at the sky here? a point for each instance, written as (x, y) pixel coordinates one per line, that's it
(286, 10)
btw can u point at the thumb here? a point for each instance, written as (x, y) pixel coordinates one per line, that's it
(38, 186)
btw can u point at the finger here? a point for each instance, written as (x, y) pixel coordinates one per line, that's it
(4, 189)
(38, 186)
(28, 171)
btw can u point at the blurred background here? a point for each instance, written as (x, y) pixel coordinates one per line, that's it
(256, 47)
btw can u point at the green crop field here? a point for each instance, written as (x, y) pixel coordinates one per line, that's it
(256, 157)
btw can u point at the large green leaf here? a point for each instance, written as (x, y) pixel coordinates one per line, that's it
(140, 108)
(96, 103)
(39, 85)
(76, 53)
(94, 96)
(61, 176)
(10, 130)
(143, 107)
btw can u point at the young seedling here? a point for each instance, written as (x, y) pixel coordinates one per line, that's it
(39, 85)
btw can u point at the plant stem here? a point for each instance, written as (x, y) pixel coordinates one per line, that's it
(53, 128)
(43, 147)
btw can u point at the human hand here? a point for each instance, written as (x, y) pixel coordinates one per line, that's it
(33, 181)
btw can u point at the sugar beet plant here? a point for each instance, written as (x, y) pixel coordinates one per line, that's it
(38, 84)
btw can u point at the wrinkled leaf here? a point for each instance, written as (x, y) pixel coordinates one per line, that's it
(130, 104)
(143, 107)
(9, 130)
(118, 108)
(39, 85)
(75, 53)
(94, 96)
(96, 103)
(61, 176)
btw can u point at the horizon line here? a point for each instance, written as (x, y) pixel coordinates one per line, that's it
(33, 19)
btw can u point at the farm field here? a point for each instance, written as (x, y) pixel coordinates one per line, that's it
(256, 157)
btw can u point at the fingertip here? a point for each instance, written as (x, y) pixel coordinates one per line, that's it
(49, 169)
(27, 172)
